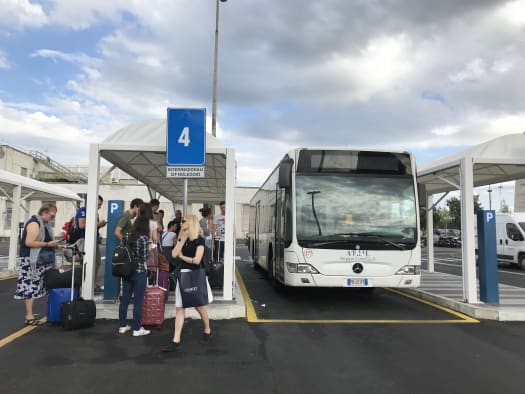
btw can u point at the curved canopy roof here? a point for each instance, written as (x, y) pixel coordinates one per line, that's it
(140, 150)
(499, 160)
(33, 189)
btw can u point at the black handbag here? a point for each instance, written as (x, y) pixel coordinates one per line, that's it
(193, 288)
(45, 258)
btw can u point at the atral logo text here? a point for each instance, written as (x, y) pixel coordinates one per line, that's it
(191, 289)
(357, 253)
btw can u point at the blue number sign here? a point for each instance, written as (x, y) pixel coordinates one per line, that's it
(186, 137)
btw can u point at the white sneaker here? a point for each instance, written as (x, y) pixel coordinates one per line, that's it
(123, 330)
(141, 332)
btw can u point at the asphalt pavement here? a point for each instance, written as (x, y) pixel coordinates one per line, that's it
(275, 357)
(448, 260)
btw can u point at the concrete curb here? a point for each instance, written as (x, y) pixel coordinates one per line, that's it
(8, 274)
(218, 310)
(477, 311)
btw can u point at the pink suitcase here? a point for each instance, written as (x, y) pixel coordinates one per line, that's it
(154, 302)
(153, 307)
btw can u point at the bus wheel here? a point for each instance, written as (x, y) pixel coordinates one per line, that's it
(521, 261)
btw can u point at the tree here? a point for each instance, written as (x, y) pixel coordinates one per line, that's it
(454, 207)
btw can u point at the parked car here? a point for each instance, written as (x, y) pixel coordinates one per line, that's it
(450, 238)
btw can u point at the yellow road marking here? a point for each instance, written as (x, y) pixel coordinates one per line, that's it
(468, 319)
(251, 315)
(19, 333)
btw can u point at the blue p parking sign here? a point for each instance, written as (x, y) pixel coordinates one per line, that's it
(186, 137)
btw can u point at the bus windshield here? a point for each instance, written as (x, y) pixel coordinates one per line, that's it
(376, 212)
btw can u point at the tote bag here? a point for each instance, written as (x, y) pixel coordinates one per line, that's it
(193, 288)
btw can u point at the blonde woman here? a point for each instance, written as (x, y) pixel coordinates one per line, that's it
(190, 250)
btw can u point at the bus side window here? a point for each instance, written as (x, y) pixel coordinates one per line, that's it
(288, 223)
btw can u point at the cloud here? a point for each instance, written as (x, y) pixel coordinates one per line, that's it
(21, 13)
(400, 74)
(4, 63)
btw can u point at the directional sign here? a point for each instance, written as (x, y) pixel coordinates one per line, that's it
(186, 137)
(185, 172)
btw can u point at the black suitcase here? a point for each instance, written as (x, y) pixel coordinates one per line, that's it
(58, 279)
(77, 313)
(215, 269)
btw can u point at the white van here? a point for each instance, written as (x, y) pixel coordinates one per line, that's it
(510, 238)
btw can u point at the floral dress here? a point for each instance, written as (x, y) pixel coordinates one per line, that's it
(30, 284)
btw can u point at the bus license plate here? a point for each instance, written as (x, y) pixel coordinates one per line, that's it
(357, 282)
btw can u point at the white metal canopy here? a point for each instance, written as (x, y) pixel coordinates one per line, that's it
(499, 160)
(140, 150)
(20, 190)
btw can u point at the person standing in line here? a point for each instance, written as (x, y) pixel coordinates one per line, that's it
(125, 220)
(135, 285)
(218, 232)
(155, 205)
(35, 237)
(167, 240)
(178, 221)
(98, 256)
(146, 210)
(190, 249)
(206, 224)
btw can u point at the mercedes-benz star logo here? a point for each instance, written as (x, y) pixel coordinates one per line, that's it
(357, 268)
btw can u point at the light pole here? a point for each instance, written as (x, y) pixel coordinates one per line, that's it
(490, 198)
(214, 102)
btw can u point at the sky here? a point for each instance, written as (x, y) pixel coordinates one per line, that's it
(431, 77)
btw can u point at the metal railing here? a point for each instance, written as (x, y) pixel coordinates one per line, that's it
(58, 169)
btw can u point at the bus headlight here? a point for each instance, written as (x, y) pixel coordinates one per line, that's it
(409, 270)
(295, 268)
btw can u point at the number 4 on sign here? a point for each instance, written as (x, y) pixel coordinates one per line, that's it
(184, 137)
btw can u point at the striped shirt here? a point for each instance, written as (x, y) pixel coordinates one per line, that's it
(139, 250)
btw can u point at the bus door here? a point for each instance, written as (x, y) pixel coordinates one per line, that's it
(279, 234)
(256, 233)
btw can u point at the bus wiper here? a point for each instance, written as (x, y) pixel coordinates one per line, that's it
(372, 235)
(313, 193)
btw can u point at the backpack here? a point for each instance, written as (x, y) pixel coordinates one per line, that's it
(73, 231)
(123, 263)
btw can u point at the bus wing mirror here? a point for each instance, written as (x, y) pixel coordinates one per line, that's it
(422, 195)
(285, 174)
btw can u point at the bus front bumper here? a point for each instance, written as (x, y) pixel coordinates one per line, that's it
(319, 280)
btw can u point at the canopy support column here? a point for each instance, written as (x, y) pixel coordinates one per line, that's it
(229, 234)
(15, 218)
(470, 292)
(91, 221)
(430, 233)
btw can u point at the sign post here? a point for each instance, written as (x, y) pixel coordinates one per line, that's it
(186, 145)
(111, 283)
(487, 257)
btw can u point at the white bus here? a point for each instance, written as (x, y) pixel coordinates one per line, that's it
(338, 218)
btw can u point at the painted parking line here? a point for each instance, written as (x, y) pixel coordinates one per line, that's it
(20, 333)
(251, 315)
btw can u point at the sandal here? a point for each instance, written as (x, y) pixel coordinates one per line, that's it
(32, 322)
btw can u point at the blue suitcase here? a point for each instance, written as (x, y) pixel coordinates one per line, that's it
(56, 298)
